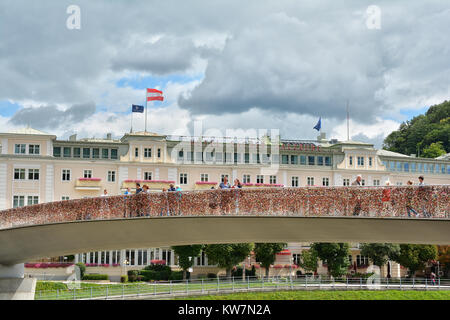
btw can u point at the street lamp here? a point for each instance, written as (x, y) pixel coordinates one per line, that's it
(249, 259)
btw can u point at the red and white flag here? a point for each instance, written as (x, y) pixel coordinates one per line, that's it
(153, 94)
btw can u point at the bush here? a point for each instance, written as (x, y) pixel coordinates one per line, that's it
(133, 273)
(123, 279)
(95, 277)
(82, 267)
(140, 278)
(177, 275)
(299, 273)
(132, 278)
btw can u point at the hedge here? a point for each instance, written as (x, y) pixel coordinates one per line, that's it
(123, 279)
(95, 277)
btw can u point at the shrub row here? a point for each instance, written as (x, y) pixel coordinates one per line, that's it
(95, 277)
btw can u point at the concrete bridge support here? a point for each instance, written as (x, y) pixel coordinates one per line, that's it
(13, 285)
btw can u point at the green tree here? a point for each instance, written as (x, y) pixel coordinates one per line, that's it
(335, 255)
(418, 134)
(434, 150)
(266, 253)
(309, 260)
(184, 252)
(414, 256)
(228, 255)
(380, 253)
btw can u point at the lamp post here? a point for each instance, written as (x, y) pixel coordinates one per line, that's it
(125, 263)
(249, 259)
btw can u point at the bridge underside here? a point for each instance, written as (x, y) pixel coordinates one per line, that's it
(32, 242)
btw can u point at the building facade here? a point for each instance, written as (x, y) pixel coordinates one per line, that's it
(36, 167)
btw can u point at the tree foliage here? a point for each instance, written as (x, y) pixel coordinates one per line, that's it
(228, 255)
(184, 252)
(335, 255)
(309, 260)
(380, 253)
(429, 133)
(266, 253)
(415, 256)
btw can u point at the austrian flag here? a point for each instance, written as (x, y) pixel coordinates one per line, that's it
(153, 94)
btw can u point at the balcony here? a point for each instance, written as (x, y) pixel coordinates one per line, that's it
(88, 184)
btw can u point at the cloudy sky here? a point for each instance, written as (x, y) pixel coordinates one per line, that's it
(259, 65)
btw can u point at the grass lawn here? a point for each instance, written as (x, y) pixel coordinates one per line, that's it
(330, 295)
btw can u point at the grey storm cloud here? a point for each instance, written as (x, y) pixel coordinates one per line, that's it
(303, 57)
(51, 116)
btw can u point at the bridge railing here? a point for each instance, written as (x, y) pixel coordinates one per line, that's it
(194, 287)
(378, 202)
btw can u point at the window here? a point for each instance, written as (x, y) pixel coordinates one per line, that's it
(399, 183)
(204, 177)
(34, 149)
(325, 182)
(296, 258)
(159, 153)
(311, 160)
(219, 156)
(76, 152)
(96, 153)
(294, 182)
(33, 200)
(105, 153)
(19, 174)
(360, 161)
(246, 178)
(111, 176)
(259, 178)
(147, 152)
(272, 179)
(67, 152)
(413, 167)
(246, 157)
(86, 153)
(362, 261)
(65, 198)
(303, 160)
(147, 175)
(20, 148)
(237, 158)
(350, 160)
(223, 176)
(376, 182)
(327, 161)
(399, 166)
(180, 155)
(87, 174)
(18, 201)
(183, 178)
(57, 152)
(346, 182)
(294, 159)
(406, 167)
(320, 161)
(113, 153)
(363, 182)
(310, 181)
(65, 175)
(370, 161)
(284, 159)
(33, 174)
(199, 156)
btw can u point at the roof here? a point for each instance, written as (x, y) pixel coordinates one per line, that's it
(387, 153)
(444, 157)
(29, 130)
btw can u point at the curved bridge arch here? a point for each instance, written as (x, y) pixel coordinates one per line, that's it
(316, 215)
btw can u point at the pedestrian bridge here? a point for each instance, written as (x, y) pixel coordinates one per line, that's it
(336, 214)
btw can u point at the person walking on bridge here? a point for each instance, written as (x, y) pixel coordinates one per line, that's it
(357, 182)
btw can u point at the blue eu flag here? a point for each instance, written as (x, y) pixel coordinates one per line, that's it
(136, 108)
(318, 125)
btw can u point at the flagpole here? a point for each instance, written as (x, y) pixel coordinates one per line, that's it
(131, 130)
(348, 123)
(145, 110)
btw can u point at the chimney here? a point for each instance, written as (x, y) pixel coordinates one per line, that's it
(109, 136)
(322, 136)
(413, 155)
(73, 137)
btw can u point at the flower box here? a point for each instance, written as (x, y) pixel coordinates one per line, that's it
(88, 184)
(204, 185)
(47, 265)
(162, 262)
(278, 266)
(152, 184)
